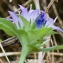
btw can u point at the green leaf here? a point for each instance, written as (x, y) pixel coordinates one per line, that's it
(33, 26)
(27, 24)
(51, 48)
(35, 35)
(23, 37)
(51, 33)
(8, 27)
(38, 43)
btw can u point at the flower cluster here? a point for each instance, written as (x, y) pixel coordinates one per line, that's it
(31, 16)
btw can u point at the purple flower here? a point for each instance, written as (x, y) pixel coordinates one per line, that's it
(30, 15)
(44, 20)
(41, 19)
(15, 19)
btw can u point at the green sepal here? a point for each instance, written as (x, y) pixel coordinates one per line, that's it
(33, 27)
(27, 24)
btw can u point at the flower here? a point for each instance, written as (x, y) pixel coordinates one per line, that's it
(15, 19)
(32, 16)
(44, 20)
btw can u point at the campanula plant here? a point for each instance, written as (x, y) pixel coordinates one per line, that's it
(30, 27)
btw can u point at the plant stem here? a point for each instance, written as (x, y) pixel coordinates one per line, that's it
(24, 53)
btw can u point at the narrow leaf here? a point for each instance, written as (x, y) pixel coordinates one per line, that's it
(51, 48)
(27, 24)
